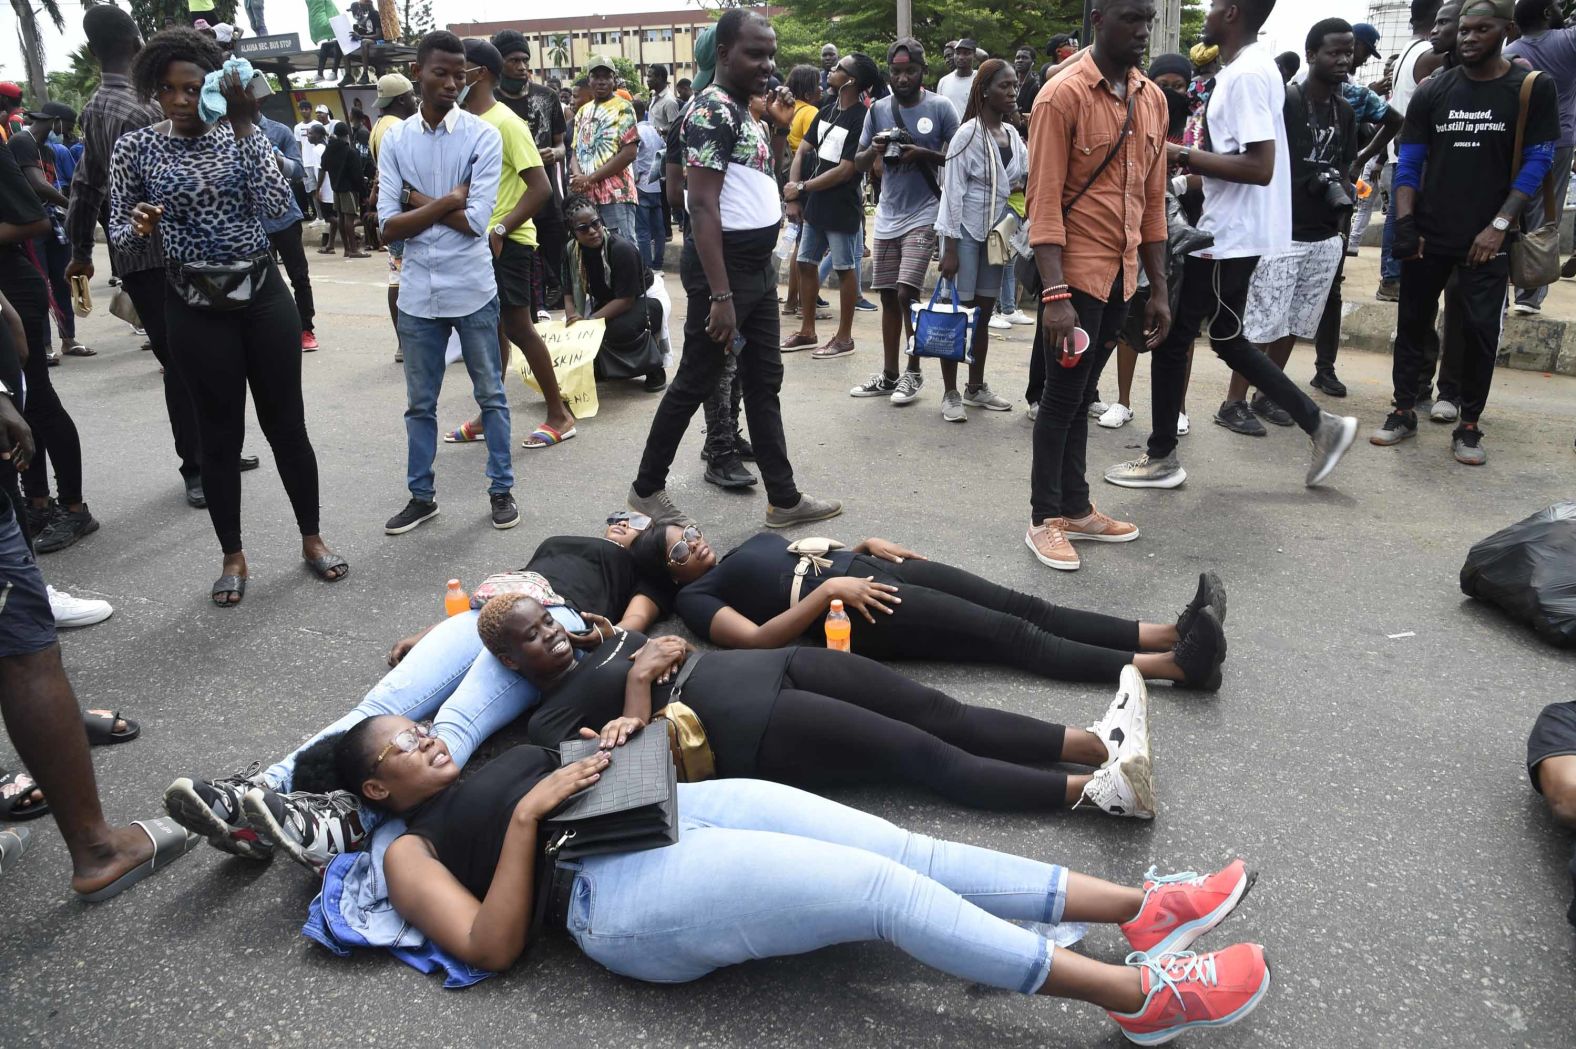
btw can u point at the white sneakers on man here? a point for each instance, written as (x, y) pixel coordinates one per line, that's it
(77, 611)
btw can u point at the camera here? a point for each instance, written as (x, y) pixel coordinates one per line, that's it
(1328, 185)
(897, 138)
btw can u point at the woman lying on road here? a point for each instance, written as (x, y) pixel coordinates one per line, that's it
(814, 718)
(762, 870)
(904, 606)
(444, 673)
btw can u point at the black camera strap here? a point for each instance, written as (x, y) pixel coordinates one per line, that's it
(924, 167)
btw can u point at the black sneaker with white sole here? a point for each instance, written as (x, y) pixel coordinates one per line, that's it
(416, 512)
(505, 513)
(311, 828)
(1398, 426)
(1237, 417)
(1201, 651)
(213, 809)
(1211, 593)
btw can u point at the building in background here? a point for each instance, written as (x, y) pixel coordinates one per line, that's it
(561, 46)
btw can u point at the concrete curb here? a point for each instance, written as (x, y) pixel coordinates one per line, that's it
(1530, 343)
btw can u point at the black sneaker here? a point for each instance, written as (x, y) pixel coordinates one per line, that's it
(656, 381)
(416, 511)
(1238, 418)
(1568, 270)
(1201, 651)
(1398, 426)
(1327, 382)
(726, 471)
(505, 514)
(1211, 594)
(41, 517)
(1270, 412)
(67, 527)
(213, 809)
(1467, 446)
(742, 447)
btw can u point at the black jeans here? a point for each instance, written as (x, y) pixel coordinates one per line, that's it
(701, 366)
(54, 256)
(1327, 340)
(843, 719)
(551, 236)
(292, 256)
(722, 410)
(1215, 291)
(1481, 296)
(54, 432)
(952, 615)
(1057, 486)
(221, 354)
(146, 288)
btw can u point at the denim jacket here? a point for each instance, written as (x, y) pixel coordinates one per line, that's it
(965, 185)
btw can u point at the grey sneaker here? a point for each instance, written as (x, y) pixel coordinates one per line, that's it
(878, 385)
(1398, 426)
(807, 509)
(1444, 411)
(1330, 441)
(907, 389)
(952, 407)
(1145, 472)
(657, 506)
(1467, 446)
(982, 396)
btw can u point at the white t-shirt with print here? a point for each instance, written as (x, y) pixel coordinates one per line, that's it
(1246, 107)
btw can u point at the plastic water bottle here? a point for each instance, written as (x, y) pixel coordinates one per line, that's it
(839, 630)
(456, 600)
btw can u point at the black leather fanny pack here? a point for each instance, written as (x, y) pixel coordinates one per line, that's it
(220, 286)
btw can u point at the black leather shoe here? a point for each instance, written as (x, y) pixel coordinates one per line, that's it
(729, 473)
(249, 462)
(1327, 382)
(656, 381)
(194, 493)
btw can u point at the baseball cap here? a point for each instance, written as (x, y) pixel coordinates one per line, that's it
(914, 49)
(600, 62)
(322, 107)
(392, 86)
(52, 111)
(967, 44)
(1367, 34)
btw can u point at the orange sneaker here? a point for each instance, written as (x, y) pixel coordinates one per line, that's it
(1179, 908)
(1195, 990)
(1050, 545)
(1099, 527)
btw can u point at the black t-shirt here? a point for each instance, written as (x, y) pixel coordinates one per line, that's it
(1318, 137)
(732, 693)
(543, 113)
(19, 205)
(629, 278)
(467, 821)
(335, 154)
(836, 209)
(24, 147)
(1026, 92)
(596, 575)
(754, 580)
(1469, 127)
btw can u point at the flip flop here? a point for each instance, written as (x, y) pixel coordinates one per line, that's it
(14, 789)
(79, 350)
(101, 728)
(170, 840)
(465, 433)
(228, 584)
(322, 566)
(544, 436)
(13, 842)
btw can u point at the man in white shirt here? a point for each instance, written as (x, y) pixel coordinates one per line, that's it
(1244, 170)
(958, 84)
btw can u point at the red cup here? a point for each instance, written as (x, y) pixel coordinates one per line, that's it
(1073, 349)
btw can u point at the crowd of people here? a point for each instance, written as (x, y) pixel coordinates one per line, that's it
(1136, 201)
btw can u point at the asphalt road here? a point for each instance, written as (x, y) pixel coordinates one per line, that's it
(1366, 752)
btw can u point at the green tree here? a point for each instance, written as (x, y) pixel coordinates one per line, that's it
(150, 15)
(33, 44)
(76, 85)
(634, 83)
(557, 51)
(415, 20)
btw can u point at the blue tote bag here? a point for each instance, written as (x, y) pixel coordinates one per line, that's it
(942, 330)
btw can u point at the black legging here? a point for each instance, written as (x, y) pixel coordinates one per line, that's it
(844, 719)
(219, 355)
(54, 432)
(952, 615)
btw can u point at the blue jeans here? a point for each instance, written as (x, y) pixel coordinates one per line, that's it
(845, 248)
(1007, 302)
(620, 219)
(1389, 267)
(424, 340)
(653, 231)
(448, 677)
(761, 870)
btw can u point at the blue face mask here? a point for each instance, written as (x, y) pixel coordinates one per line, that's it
(54, 136)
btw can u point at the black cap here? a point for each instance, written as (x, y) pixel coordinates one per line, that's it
(915, 50)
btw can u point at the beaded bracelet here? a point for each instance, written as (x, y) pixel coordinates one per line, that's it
(1056, 296)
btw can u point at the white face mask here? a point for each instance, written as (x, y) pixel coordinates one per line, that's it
(464, 93)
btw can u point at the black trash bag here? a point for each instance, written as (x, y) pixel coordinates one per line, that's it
(1529, 570)
(1182, 239)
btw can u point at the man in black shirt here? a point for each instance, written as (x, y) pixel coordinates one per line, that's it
(1028, 84)
(342, 169)
(542, 111)
(1459, 187)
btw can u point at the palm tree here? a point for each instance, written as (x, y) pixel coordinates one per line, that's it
(556, 52)
(33, 44)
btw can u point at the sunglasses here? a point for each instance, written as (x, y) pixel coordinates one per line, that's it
(639, 522)
(587, 227)
(680, 551)
(405, 741)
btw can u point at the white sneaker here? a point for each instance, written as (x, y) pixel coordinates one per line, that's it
(1125, 727)
(1097, 409)
(1525, 308)
(1116, 416)
(1000, 322)
(1444, 411)
(77, 611)
(1018, 317)
(1034, 411)
(1183, 426)
(908, 387)
(1123, 788)
(542, 316)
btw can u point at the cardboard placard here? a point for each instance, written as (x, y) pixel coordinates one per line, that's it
(572, 350)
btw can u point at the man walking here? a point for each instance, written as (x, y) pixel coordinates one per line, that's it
(437, 187)
(1456, 199)
(1245, 174)
(1092, 213)
(918, 124)
(726, 270)
(605, 145)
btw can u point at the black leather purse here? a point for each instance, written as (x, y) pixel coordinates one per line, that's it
(220, 287)
(633, 807)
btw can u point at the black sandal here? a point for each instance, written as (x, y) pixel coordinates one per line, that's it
(15, 790)
(101, 728)
(228, 584)
(324, 566)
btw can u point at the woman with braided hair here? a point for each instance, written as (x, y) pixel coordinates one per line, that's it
(605, 279)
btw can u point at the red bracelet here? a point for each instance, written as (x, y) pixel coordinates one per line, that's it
(1056, 297)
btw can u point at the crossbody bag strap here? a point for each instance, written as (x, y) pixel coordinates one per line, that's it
(684, 675)
(924, 167)
(1116, 147)
(1523, 104)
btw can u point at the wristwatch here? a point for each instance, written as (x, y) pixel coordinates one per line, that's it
(1500, 223)
(501, 230)
(404, 197)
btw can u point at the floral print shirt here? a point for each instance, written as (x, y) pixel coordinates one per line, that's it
(720, 135)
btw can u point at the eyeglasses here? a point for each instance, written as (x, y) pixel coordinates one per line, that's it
(680, 551)
(405, 741)
(639, 522)
(587, 227)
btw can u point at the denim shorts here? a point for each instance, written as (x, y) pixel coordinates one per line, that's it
(975, 275)
(847, 248)
(26, 623)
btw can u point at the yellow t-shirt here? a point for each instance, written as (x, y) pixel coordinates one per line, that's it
(519, 155)
(803, 117)
(384, 125)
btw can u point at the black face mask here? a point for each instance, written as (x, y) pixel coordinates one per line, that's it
(1177, 109)
(510, 86)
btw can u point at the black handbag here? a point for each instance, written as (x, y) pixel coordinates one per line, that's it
(220, 287)
(633, 807)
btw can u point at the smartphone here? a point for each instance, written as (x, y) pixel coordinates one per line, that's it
(259, 88)
(81, 298)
